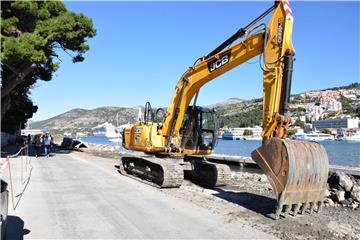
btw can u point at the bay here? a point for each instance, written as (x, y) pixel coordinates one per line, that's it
(346, 153)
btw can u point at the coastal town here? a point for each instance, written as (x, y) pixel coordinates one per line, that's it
(316, 112)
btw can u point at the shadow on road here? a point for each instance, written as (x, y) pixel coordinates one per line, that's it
(15, 228)
(54, 150)
(257, 203)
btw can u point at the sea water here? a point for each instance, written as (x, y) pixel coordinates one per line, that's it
(346, 153)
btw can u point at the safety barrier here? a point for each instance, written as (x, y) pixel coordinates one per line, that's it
(16, 170)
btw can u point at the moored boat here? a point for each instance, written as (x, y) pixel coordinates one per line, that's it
(352, 137)
(106, 129)
(314, 136)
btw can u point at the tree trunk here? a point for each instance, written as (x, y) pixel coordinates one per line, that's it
(5, 106)
(15, 79)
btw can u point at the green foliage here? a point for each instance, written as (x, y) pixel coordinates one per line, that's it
(248, 132)
(34, 29)
(31, 34)
(299, 111)
(291, 132)
(348, 106)
(299, 123)
(22, 109)
(248, 118)
(350, 86)
(325, 130)
(297, 99)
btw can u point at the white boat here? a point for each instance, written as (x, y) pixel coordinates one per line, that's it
(121, 128)
(120, 131)
(314, 136)
(116, 140)
(106, 130)
(238, 134)
(352, 137)
(252, 138)
(232, 134)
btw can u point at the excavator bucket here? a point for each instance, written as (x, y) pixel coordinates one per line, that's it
(297, 171)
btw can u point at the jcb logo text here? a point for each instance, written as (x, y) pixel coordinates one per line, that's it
(219, 62)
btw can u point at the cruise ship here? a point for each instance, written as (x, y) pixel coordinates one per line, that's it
(106, 130)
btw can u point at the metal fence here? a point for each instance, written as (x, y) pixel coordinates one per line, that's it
(16, 171)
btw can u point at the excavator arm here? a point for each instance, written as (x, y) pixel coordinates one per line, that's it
(273, 42)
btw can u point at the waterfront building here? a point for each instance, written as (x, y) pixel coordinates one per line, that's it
(330, 104)
(314, 112)
(32, 132)
(336, 123)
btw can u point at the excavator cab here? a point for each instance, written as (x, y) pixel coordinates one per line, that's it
(198, 131)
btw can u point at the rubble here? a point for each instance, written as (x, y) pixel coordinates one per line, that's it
(354, 205)
(340, 196)
(343, 189)
(329, 202)
(345, 182)
(355, 193)
(262, 178)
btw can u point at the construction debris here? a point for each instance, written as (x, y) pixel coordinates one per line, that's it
(73, 144)
(343, 189)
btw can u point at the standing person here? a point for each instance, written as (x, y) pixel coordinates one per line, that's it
(29, 139)
(47, 143)
(37, 144)
(25, 141)
(52, 141)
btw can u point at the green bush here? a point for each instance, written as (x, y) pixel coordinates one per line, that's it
(248, 132)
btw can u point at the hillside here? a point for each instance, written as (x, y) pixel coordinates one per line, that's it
(86, 119)
(235, 112)
(324, 102)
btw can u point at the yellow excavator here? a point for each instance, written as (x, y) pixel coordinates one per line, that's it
(297, 170)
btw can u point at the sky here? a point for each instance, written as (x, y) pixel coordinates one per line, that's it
(142, 48)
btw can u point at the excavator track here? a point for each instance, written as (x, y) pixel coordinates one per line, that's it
(207, 174)
(157, 172)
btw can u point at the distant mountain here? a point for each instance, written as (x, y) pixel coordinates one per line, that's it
(85, 119)
(227, 102)
(234, 112)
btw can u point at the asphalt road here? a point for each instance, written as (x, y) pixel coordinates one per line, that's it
(72, 196)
